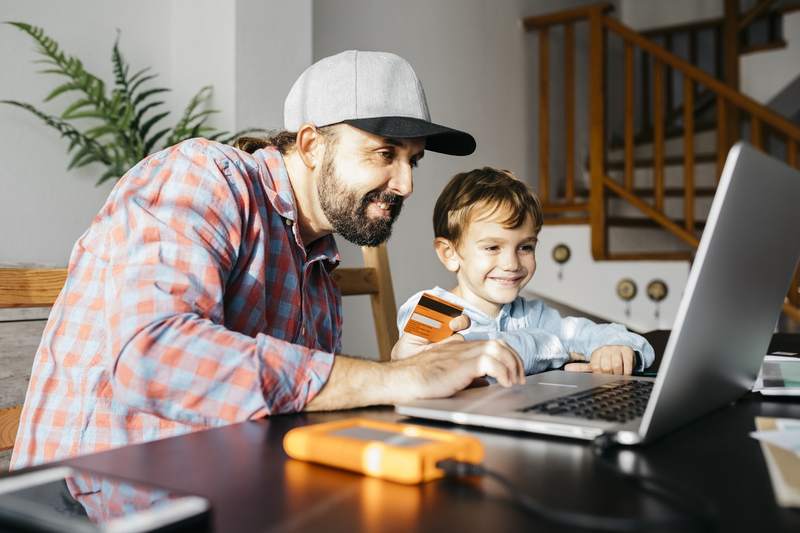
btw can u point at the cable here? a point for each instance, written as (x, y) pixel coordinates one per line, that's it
(459, 469)
(706, 515)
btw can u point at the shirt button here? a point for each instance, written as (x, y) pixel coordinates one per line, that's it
(289, 222)
(303, 331)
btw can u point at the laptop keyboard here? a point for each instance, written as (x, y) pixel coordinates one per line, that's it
(620, 401)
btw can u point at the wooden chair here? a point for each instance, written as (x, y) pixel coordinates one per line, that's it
(39, 287)
(374, 279)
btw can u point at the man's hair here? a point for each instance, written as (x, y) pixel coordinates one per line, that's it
(484, 192)
(284, 140)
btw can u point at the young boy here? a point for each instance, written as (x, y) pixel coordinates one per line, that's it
(486, 224)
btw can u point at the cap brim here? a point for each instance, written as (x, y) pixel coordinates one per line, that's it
(438, 138)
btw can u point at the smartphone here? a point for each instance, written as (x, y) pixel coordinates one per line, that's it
(71, 500)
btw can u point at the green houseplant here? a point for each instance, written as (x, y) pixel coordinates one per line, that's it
(123, 120)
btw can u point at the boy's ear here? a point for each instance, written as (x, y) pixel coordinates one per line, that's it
(446, 251)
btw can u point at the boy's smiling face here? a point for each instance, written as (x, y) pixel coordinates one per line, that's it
(492, 262)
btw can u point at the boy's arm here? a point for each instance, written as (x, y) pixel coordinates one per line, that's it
(539, 350)
(582, 336)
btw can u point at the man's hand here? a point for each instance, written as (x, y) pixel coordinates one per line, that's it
(448, 367)
(409, 345)
(438, 371)
(612, 359)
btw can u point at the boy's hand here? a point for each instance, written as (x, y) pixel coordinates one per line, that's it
(409, 345)
(612, 359)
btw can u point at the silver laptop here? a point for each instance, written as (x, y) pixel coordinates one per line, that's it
(741, 273)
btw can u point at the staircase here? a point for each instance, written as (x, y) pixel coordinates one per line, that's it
(658, 127)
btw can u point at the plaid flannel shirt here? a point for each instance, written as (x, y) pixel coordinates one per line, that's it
(191, 302)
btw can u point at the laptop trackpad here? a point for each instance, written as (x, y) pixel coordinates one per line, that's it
(537, 388)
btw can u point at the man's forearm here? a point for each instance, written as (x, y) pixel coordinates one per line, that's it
(357, 383)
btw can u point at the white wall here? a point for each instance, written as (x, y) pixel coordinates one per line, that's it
(250, 51)
(273, 46)
(477, 65)
(765, 74)
(590, 286)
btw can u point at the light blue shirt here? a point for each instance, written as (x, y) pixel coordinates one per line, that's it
(538, 333)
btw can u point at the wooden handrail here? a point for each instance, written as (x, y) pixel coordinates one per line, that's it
(736, 98)
(791, 311)
(755, 12)
(537, 22)
(686, 236)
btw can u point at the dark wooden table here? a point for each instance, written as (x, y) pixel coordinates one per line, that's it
(253, 486)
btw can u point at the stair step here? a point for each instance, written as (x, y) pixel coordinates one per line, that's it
(640, 222)
(574, 220)
(674, 192)
(554, 207)
(648, 162)
(649, 256)
(763, 47)
(671, 133)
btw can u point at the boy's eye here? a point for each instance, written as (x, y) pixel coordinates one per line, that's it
(492, 248)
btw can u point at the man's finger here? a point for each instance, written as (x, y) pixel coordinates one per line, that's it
(455, 337)
(459, 323)
(489, 366)
(578, 367)
(509, 357)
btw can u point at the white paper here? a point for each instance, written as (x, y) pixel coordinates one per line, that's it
(787, 436)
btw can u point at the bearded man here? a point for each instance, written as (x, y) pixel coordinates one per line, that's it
(201, 294)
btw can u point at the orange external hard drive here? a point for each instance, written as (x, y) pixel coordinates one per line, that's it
(403, 453)
(431, 318)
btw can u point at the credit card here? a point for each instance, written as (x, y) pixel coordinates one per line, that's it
(431, 318)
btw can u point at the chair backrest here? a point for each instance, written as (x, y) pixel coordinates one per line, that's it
(25, 287)
(39, 287)
(374, 279)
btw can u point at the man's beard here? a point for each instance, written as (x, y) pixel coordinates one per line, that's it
(347, 212)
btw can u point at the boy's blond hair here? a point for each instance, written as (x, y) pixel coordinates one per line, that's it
(484, 192)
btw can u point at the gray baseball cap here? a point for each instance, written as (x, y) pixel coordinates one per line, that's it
(377, 92)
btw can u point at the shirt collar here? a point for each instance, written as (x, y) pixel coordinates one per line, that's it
(280, 194)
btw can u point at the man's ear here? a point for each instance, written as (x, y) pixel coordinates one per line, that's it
(446, 251)
(310, 145)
